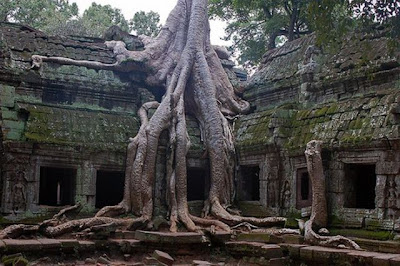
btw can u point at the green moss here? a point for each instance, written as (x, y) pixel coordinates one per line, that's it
(375, 235)
(356, 139)
(321, 112)
(332, 109)
(335, 220)
(291, 221)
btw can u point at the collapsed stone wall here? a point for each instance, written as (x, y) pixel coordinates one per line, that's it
(347, 97)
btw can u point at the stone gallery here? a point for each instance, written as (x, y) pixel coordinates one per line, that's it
(69, 111)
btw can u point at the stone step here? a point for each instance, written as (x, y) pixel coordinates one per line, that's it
(265, 237)
(170, 238)
(335, 256)
(378, 245)
(244, 248)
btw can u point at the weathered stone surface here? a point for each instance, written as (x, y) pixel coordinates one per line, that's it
(170, 238)
(163, 257)
(253, 248)
(16, 245)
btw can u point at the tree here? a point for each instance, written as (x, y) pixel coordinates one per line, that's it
(182, 61)
(145, 23)
(255, 25)
(41, 14)
(97, 19)
(319, 210)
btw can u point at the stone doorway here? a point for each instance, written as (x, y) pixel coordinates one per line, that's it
(303, 189)
(359, 185)
(196, 184)
(109, 188)
(249, 185)
(57, 186)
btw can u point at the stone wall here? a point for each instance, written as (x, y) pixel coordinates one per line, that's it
(61, 116)
(70, 117)
(348, 97)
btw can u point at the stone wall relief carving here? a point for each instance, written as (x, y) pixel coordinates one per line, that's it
(18, 192)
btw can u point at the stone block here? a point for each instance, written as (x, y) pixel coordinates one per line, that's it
(23, 245)
(363, 257)
(7, 94)
(292, 249)
(278, 262)
(87, 245)
(259, 237)
(383, 260)
(326, 255)
(9, 115)
(271, 251)
(395, 261)
(380, 191)
(48, 243)
(163, 257)
(306, 253)
(170, 238)
(389, 247)
(374, 224)
(387, 168)
(2, 246)
(69, 245)
(293, 239)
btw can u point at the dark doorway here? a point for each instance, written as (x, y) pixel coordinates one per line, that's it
(249, 187)
(360, 182)
(303, 189)
(57, 186)
(196, 184)
(109, 188)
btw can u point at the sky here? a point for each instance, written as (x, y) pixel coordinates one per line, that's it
(162, 7)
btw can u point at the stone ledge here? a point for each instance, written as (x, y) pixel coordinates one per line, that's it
(170, 238)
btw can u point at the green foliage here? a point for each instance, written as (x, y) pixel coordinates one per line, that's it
(97, 19)
(41, 14)
(59, 17)
(258, 25)
(145, 23)
(255, 26)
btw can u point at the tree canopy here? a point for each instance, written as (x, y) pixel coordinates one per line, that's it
(145, 23)
(255, 26)
(61, 17)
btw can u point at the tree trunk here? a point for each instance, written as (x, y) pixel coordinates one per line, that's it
(319, 212)
(182, 60)
(293, 19)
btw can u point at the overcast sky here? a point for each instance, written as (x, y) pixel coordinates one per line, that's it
(162, 7)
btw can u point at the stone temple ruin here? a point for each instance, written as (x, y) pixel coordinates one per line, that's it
(64, 130)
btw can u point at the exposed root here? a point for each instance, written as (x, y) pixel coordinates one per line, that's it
(182, 60)
(319, 209)
(219, 212)
(17, 230)
(278, 231)
(112, 211)
(81, 224)
(328, 241)
(61, 214)
(210, 222)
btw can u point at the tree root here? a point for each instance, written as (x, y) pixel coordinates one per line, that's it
(17, 230)
(319, 212)
(328, 241)
(182, 60)
(81, 224)
(219, 212)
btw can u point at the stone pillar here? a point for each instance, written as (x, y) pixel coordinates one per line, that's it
(86, 185)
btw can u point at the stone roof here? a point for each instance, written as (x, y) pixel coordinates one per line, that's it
(347, 97)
